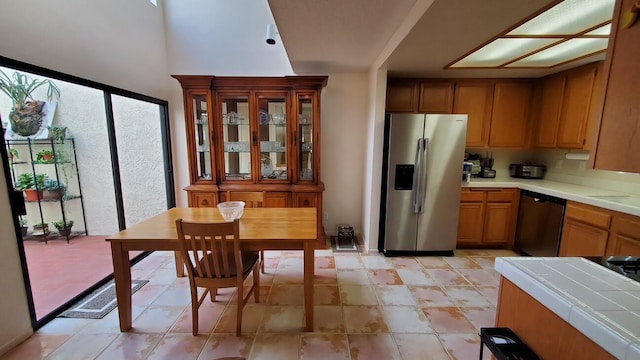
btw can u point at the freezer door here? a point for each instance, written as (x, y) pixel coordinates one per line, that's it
(405, 137)
(438, 223)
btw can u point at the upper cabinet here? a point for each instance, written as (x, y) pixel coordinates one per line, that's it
(619, 137)
(415, 96)
(564, 106)
(510, 114)
(476, 100)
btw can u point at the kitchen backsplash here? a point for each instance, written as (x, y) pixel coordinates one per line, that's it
(502, 158)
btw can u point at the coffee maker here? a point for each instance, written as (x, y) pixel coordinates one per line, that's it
(486, 171)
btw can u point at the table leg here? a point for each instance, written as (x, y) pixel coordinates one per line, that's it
(122, 279)
(308, 283)
(179, 263)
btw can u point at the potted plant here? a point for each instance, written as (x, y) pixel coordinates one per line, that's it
(57, 133)
(26, 113)
(13, 155)
(45, 157)
(63, 228)
(52, 189)
(23, 226)
(32, 185)
(41, 229)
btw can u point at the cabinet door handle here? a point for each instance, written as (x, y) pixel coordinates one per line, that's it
(255, 139)
(213, 138)
(295, 138)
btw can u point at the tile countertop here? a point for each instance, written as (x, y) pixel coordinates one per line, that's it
(579, 193)
(601, 304)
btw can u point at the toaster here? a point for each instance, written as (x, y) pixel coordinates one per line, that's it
(527, 171)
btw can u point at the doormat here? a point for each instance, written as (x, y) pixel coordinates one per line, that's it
(344, 245)
(100, 302)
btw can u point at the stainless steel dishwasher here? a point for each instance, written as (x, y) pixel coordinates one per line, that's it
(539, 227)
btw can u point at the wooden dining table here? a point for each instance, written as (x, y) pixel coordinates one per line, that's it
(260, 229)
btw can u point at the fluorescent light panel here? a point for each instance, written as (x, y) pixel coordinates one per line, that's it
(532, 41)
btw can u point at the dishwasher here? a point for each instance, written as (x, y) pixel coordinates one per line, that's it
(539, 226)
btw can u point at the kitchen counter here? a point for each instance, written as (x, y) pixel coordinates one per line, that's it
(612, 200)
(601, 304)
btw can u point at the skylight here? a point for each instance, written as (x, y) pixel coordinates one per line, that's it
(568, 31)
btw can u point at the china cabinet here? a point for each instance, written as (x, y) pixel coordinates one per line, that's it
(254, 134)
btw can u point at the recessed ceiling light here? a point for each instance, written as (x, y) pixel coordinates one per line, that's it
(570, 30)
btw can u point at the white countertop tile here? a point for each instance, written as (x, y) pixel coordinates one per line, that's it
(566, 191)
(598, 302)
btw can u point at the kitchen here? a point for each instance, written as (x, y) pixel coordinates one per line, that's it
(335, 176)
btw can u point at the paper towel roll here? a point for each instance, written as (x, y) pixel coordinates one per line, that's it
(577, 156)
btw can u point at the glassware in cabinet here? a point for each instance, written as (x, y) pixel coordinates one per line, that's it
(236, 136)
(272, 133)
(202, 136)
(306, 136)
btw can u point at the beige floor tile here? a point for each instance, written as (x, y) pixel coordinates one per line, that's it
(486, 262)
(276, 347)
(252, 315)
(421, 346)
(447, 277)
(461, 262)
(428, 296)
(324, 347)
(445, 320)
(480, 316)
(463, 346)
(466, 296)
(325, 276)
(405, 263)
(406, 319)
(376, 262)
(324, 262)
(286, 294)
(364, 319)
(348, 262)
(38, 346)
(82, 346)
(131, 346)
(358, 295)
(227, 345)
(480, 276)
(415, 276)
(373, 346)
(394, 295)
(385, 277)
(326, 295)
(208, 316)
(353, 277)
(157, 319)
(283, 318)
(178, 346)
(328, 319)
(433, 262)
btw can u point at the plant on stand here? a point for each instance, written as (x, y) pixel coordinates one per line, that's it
(45, 157)
(64, 229)
(32, 185)
(26, 114)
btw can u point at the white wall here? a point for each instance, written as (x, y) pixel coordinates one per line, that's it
(344, 124)
(117, 42)
(15, 325)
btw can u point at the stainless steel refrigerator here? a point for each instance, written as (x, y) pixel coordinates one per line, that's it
(422, 175)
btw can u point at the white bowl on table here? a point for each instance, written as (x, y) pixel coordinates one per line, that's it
(231, 210)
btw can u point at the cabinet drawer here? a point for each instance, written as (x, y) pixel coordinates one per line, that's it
(589, 215)
(203, 200)
(504, 195)
(306, 200)
(472, 195)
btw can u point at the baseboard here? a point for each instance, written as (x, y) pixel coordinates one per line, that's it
(6, 347)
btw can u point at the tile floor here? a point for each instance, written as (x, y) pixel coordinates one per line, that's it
(367, 307)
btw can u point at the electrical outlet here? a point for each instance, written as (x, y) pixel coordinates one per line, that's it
(325, 215)
(559, 164)
(582, 165)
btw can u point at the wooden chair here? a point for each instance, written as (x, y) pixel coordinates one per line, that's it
(214, 260)
(251, 199)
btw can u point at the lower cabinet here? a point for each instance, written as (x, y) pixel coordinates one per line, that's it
(487, 217)
(625, 236)
(585, 230)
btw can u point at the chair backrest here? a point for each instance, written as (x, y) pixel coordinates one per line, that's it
(211, 250)
(252, 199)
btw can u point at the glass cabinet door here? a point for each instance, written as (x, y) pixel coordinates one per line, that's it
(202, 137)
(272, 132)
(236, 132)
(305, 137)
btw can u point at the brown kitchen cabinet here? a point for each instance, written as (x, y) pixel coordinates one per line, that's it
(416, 96)
(487, 217)
(624, 237)
(475, 99)
(618, 140)
(565, 108)
(254, 134)
(585, 230)
(436, 98)
(510, 114)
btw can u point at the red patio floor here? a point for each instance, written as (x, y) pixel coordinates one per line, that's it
(60, 271)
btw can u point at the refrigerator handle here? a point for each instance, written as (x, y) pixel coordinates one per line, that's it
(415, 189)
(423, 174)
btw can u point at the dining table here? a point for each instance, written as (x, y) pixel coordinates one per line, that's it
(260, 229)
